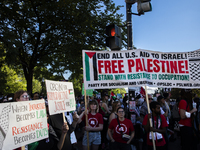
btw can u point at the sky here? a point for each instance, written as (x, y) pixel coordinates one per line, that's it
(171, 26)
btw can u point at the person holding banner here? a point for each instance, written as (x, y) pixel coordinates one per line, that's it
(121, 128)
(95, 122)
(53, 142)
(21, 95)
(159, 127)
(56, 121)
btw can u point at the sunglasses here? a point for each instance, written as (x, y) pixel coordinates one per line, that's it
(25, 96)
(150, 98)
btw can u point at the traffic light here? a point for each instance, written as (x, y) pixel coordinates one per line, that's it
(143, 6)
(113, 39)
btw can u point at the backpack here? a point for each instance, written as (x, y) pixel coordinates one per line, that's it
(175, 112)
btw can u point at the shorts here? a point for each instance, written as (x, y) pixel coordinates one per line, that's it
(94, 138)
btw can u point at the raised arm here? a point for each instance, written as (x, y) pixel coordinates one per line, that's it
(65, 129)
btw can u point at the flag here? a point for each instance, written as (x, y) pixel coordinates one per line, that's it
(91, 59)
(112, 95)
(142, 92)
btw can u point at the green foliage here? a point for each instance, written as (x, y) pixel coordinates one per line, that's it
(52, 34)
(13, 82)
(12, 79)
(37, 86)
(119, 91)
(196, 91)
(77, 83)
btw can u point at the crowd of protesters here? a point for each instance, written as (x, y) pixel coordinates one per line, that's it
(109, 124)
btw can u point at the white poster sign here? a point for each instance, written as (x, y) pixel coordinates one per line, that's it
(60, 95)
(22, 123)
(129, 68)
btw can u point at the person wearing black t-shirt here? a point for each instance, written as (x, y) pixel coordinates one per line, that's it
(56, 121)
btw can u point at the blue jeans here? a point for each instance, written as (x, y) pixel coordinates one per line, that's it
(94, 138)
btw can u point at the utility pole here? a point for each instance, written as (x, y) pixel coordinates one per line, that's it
(129, 26)
(142, 6)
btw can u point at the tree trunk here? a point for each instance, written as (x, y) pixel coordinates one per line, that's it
(30, 83)
(28, 73)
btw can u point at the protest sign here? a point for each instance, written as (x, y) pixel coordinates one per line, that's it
(117, 69)
(22, 123)
(88, 92)
(60, 96)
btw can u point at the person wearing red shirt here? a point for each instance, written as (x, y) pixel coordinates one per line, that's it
(159, 127)
(126, 127)
(186, 113)
(95, 125)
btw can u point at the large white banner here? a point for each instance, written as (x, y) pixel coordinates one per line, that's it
(60, 95)
(129, 68)
(22, 123)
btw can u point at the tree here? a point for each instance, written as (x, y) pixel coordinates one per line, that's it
(49, 33)
(12, 82)
(77, 83)
(121, 91)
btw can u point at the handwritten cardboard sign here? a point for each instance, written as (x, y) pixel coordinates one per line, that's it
(60, 95)
(22, 123)
(118, 69)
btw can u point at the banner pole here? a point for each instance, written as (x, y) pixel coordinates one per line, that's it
(86, 119)
(64, 120)
(150, 121)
